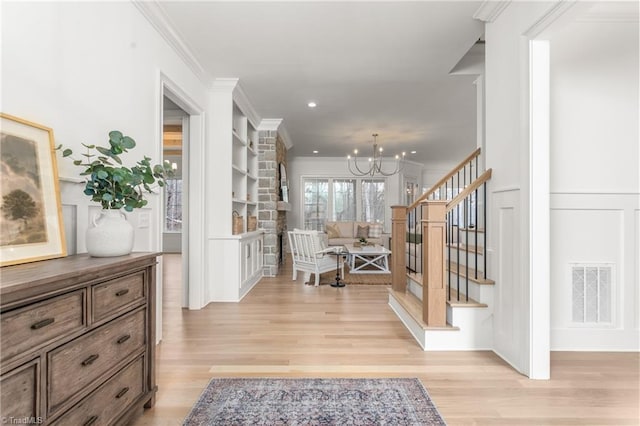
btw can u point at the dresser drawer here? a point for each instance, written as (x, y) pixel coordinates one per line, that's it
(74, 366)
(27, 329)
(108, 297)
(110, 400)
(19, 389)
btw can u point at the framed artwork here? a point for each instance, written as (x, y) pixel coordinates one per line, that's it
(30, 212)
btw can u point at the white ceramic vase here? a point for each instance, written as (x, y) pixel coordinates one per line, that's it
(111, 235)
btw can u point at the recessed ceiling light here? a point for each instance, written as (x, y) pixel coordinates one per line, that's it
(315, 151)
(413, 152)
(312, 104)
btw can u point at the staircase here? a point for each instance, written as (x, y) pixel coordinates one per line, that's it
(440, 290)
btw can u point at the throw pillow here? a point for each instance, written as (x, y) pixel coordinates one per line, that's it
(332, 231)
(363, 231)
(375, 230)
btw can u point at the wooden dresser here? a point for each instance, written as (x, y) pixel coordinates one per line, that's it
(77, 340)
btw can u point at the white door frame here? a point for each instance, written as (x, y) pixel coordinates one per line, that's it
(193, 241)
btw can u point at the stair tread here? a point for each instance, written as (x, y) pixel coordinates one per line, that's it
(464, 247)
(479, 230)
(413, 306)
(415, 276)
(463, 303)
(462, 271)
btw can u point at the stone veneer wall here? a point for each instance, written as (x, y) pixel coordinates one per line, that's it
(271, 152)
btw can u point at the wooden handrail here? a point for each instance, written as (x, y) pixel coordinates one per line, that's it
(469, 189)
(448, 176)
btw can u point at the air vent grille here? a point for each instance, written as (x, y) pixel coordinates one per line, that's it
(592, 293)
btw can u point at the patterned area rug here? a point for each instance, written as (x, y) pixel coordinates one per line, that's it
(304, 402)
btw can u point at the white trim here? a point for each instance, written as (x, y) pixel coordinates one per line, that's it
(286, 139)
(157, 17)
(270, 124)
(539, 200)
(241, 98)
(275, 124)
(506, 189)
(546, 20)
(195, 207)
(490, 10)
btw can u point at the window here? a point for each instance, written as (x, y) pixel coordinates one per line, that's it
(344, 200)
(173, 208)
(347, 199)
(373, 207)
(316, 200)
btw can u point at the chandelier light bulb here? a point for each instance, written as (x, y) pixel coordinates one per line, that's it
(375, 162)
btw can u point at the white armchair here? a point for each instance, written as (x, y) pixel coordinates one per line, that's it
(310, 255)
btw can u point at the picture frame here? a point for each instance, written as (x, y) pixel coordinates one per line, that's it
(31, 227)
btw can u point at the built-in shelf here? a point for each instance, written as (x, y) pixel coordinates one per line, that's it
(237, 248)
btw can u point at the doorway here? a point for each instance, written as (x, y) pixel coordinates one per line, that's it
(175, 228)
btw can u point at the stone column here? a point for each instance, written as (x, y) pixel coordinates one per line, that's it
(268, 199)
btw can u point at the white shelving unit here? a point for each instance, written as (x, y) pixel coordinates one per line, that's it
(236, 258)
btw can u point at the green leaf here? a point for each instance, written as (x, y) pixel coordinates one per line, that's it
(104, 151)
(88, 146)
(115, 136)
(67, 152)
(77, 162)
(107, 197)
(128, 143)
(102, 174)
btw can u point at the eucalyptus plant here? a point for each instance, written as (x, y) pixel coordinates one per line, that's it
(110, 183)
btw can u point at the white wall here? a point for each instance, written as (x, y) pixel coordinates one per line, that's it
(595, 181)
(507, 153)
(337, 168)
(85, 69)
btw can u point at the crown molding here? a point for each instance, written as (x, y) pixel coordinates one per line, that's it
(286, 139)
(270, 124)
(489, 10)
(241, 99)
(275, 124)
(551, 16)
(156, 16)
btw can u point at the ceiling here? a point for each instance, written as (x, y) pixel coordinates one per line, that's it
(371, 67)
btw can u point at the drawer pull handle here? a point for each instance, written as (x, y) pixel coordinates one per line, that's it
(43, 323)
(90, 361)
(122, 292)
(122, 392)
(91, 421)
(123, 339)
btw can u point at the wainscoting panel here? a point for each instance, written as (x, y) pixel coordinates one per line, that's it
(510, 333)
(596, 234)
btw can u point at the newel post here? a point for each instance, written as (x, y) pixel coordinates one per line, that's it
(398, 236)
(434, 291)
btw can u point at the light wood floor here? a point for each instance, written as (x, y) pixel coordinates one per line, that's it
(287, 329)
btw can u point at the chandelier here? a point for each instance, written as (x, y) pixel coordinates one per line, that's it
(374, 165)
